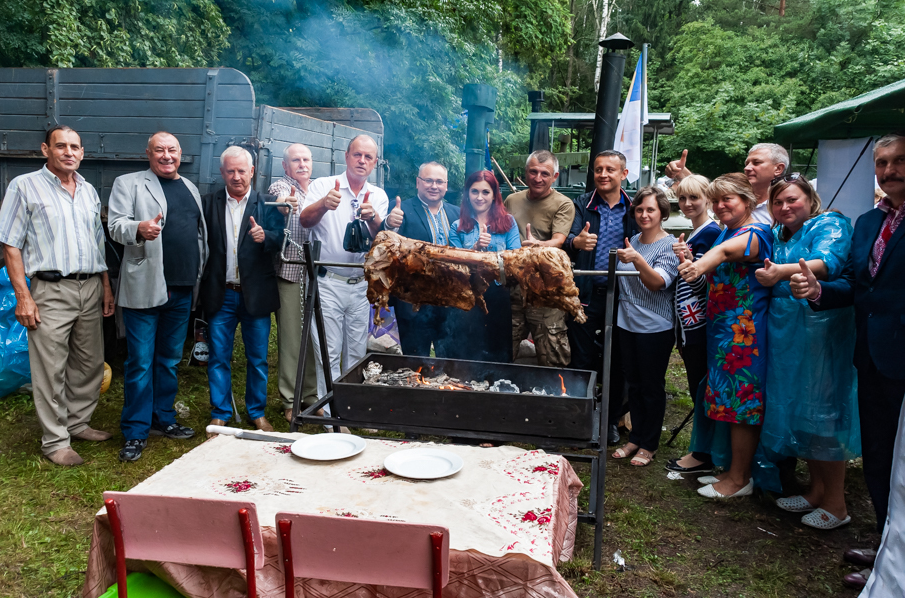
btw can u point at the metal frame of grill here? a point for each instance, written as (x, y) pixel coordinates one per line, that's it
(596, 410)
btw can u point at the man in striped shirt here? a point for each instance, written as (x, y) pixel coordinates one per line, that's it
(51, 232)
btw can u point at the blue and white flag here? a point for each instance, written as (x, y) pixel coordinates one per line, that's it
(631, 125)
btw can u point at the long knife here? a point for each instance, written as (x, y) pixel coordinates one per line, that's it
(243, 434)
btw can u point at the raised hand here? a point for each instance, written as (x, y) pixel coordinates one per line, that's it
(150, 229)
(628, 254)
(680, 248)
(689, 271)
(367, 211)
(804, 285)
(291, 199)
(394, 219)
(256, 231)
(483, 239)
(676, 169)
(529, 241)
(332, 199)
(585, 240)
(768, 275)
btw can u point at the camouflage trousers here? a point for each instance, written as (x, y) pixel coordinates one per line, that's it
(547, 327)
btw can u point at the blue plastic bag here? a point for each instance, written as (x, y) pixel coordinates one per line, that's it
(14, 367)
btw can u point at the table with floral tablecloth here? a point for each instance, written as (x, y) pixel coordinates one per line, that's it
(511, 513)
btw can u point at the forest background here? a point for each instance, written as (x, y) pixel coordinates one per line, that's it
(727, 70)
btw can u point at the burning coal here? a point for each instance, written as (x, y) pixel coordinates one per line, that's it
(406, 377)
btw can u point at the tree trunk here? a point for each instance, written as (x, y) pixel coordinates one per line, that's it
(606, 10)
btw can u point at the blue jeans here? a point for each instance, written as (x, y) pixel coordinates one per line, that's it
(155, 338)
(256, 336)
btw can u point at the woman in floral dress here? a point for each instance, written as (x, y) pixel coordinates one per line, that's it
(736, 328)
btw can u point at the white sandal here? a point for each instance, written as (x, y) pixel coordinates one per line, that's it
(821, 519)
(796, 503)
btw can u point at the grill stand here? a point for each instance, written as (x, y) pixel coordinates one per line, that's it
(313, 316)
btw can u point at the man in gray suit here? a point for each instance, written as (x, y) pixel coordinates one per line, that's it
(157, 215)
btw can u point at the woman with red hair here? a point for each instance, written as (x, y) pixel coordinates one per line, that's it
(484, 225)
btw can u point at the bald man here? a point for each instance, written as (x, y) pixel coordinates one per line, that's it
(292, 188)
(332, 203)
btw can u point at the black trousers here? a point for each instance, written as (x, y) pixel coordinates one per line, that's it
(586, 343)
(418, 329)
(479, 336)
(695, 358)
(879, 403)
(646, 358)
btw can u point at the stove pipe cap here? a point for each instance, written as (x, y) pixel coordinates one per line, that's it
(617, 41)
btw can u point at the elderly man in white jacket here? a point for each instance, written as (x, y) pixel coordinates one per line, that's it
(157, 215)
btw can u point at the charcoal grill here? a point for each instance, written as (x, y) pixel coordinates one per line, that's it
(577, 420)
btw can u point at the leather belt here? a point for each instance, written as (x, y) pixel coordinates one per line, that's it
(234, 287)
(57, 276)
(325, 273)
(79, 276)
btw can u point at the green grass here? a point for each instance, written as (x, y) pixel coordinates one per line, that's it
(675, 542)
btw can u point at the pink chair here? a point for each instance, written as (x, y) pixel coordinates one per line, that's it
(363, 551)
(205, 532)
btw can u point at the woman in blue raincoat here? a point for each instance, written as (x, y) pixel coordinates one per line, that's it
(812, 412)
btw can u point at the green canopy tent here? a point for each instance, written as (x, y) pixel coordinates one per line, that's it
(872, 114)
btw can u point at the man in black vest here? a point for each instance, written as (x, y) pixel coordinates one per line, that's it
(424, 217)
(239, 284)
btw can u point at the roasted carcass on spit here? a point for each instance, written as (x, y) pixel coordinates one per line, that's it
(425, 274)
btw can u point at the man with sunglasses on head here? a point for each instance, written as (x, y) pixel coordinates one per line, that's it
(425, 217)
(873, 279)
(765, 163)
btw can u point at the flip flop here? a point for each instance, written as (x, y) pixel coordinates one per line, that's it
(796, 503)
(821, 519)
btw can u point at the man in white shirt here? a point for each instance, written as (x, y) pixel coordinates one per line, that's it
(766, 162)
(331, 204)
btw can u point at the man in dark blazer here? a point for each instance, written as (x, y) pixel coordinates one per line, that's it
(239, 284)
(873, 279)
(424, 217)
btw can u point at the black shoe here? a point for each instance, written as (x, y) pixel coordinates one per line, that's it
(857, 580)
(673, 465)
(612, 435)
(131, 451)
(173, 431)
(860, 557)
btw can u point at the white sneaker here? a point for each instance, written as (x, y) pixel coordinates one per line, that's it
(709, 491)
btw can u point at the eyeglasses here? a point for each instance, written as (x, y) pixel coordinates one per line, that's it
(792, 177)
(430, 182)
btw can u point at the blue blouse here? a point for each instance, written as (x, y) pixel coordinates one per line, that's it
(498, 242)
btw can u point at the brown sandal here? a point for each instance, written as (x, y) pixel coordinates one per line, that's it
(643, 457)
(625, 451)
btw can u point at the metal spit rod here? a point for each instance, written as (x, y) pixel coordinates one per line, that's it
(335, 264)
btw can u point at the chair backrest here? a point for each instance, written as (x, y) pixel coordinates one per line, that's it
(365, 551)
(203, 532)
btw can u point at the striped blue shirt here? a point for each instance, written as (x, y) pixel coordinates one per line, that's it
(54, 230)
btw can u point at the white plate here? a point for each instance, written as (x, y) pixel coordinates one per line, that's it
(423, 463)
(328, 446)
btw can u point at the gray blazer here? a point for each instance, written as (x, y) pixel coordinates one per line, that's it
(137, 197)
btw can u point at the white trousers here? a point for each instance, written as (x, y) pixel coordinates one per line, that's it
(345, 309)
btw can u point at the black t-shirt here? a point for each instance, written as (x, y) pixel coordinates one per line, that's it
(180, 234)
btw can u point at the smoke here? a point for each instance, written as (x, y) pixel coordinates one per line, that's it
(407, 62)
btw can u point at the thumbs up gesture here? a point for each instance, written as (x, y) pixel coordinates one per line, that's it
(585, 240)
(676, 169)
(804, 284)
(394, 219)
(483, 239)
(150, 229)
(529, 241)
(255, 231)
(367, 212)
(291, 199)
(680, 248)
(332, 198)
(628, 254)
(768, 275)
(689, 271)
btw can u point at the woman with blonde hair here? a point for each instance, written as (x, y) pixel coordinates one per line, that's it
(813, 410)
(691, 302)
(736, 328)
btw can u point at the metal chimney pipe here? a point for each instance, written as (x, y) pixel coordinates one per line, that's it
(609, 94)
(480, 101)
(536, 98)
